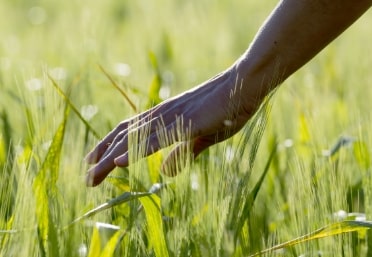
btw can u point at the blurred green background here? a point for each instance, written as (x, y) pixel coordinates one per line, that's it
(324, 104)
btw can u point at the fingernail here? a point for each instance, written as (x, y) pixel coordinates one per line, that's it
(122, 160)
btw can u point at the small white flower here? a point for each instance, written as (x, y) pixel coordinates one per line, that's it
(288, 143)
(164, 92)
(89, 111)
(122, 69)
(340, 215)
(34, 84)
(83, 250)
(194, 181)
(58, 73)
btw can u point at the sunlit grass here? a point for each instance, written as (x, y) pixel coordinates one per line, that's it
(308, 168)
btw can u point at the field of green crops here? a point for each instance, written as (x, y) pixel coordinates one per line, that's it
(296, 181)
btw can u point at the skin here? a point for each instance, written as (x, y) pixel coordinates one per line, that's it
(295, 32)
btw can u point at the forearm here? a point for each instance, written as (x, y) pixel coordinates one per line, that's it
(293, 34)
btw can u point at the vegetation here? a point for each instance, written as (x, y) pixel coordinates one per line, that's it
(294, 182)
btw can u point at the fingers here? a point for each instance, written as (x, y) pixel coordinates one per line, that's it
(118, 140)
(145, 148)
(99, 172)
(96, 154)
(154, 129)
(116, 154)
(102, 147)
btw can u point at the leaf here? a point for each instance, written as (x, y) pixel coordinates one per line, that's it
(155, 85)
(154, 61)
(341, 142)
(125, 197)
(3, 152)
(5, 235)
(45, 189)
(7, 146)
(259, 183)
(337, 228)
(155, 230)
(361, 154)
(154, 162)
(154, 90)
(30, 125)
(304, 130)
(247, 202)
(8, 183)
(95, 244)
(166, 51)
(120, 182)
(111, 245)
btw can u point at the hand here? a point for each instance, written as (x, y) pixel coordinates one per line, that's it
(292, 35)
(207, 114)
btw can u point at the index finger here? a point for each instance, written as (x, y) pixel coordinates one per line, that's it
(99, 150)
(95, 155)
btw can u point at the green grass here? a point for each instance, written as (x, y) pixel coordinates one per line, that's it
(277, 185)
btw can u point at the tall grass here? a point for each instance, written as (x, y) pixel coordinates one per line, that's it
(294, 182)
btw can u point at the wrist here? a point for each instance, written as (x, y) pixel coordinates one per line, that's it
(255, 78)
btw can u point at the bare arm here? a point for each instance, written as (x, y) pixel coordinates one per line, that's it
(215, 110)
(294, 33)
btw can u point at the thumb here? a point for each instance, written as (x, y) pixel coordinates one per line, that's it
(184, 152)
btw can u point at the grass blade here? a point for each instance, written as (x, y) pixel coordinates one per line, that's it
(125, 197)
(8, 183)
(258, 185)
(132, 105)
(73, 107)
(246, 202)
(95, 244)
(45, 189)
(155, 226)
(7, 136)
(156, 82)
(255, 128)
(111, 245)
(362, 154)
(337, 228)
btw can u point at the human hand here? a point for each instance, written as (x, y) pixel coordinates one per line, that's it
(291, 36)
(207, 114)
